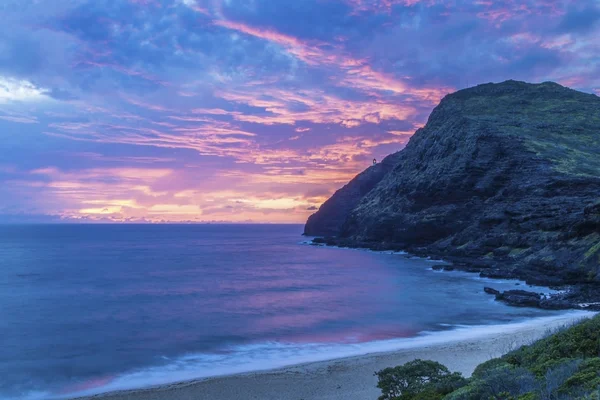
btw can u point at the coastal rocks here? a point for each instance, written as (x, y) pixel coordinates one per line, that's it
(443, 267)
(503, 180)
(318, 241)
(490, 290)
(571, 299)
(552, 303)
(520, 298)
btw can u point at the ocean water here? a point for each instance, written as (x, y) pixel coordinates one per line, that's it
(91, 308)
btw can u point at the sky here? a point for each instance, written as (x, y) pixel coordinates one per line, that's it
(246, 110)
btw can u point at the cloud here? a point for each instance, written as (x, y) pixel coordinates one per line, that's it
(19, 119)
(580, 20)
(191, 110)
(12, 89)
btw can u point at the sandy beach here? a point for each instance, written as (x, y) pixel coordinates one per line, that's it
(352, 378)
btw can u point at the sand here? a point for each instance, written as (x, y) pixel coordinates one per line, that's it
(353, 378)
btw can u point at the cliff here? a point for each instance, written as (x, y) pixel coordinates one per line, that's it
(330, 217)
(503, 179)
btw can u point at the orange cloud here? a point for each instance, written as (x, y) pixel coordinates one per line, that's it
(154, 195)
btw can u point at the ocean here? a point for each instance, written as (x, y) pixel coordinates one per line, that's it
(86, 309)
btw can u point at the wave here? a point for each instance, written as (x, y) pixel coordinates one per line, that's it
(273, 355)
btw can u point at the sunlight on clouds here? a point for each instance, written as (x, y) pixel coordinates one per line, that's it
(213, 110)
(155, 195)
(175, 209)
(20, 90)
(114, 202)
(355, 72)
(275, 204)
(319, 108)
(102, 211)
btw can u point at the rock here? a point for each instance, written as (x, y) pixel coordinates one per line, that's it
(556, 304)
(520, 298)
(489, 290)
(332, 214)
(497, 274)
(503, 177)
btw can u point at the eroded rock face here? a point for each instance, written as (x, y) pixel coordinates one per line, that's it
(504, 177)
(333, 213)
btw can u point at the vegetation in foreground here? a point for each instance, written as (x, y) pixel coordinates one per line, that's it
(565, 365)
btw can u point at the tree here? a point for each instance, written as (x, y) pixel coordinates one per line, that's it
(418, 379)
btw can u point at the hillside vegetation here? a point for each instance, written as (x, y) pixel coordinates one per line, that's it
(563, 366)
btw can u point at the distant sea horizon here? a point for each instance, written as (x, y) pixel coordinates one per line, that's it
(75, 222)
(95, 307)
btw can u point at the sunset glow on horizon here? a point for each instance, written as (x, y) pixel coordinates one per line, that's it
(246, 111)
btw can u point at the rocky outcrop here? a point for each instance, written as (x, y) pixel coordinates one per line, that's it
(523, 298)
(330, 217)
(490, 290)
(520, 298)
(504, 179)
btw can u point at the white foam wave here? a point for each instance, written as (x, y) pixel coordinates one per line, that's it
(271, 355)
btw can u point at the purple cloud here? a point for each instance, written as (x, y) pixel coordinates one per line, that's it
(191, 110)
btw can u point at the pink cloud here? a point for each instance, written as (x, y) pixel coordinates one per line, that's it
(20, 119)
(304, 51)
(499, 12)
(320, 107)
(384, 6)
(355, 73)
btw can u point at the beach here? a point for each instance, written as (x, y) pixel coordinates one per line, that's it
(353, 378)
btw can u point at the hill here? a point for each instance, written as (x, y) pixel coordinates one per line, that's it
(504, 179)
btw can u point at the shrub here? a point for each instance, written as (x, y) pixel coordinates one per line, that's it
(556, 377)
(418, 379)
(563, 366)
(505, 382)
(586, 377)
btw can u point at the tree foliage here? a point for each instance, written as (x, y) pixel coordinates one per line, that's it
(418, 379)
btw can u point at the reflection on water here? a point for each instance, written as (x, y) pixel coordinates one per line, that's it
(85, 306)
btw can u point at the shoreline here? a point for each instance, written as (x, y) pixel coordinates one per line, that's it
(571, 296)
(351, 377)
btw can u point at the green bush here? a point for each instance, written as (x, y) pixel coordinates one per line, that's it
(529, 396)
(506, 382)
(586, 377)
(418, 379)
(563, 366)
(579, 341)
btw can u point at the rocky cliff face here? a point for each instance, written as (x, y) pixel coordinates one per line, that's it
(333, 213)
(503, 179)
